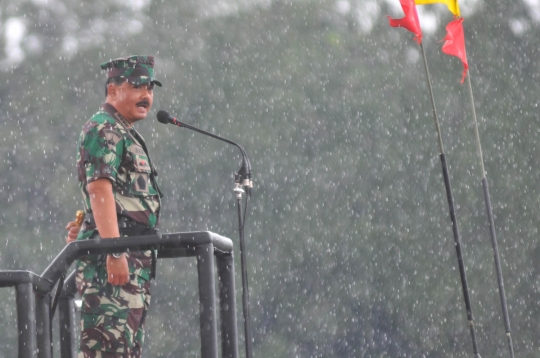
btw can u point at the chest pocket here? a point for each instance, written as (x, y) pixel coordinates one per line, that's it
(139, 178)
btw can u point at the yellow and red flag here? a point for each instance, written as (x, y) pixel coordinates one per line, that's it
(410, 21)
(451, 4)
(454, 43)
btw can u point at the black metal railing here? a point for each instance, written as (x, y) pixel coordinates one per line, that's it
(34, 293)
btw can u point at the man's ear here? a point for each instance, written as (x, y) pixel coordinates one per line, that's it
(112, 89)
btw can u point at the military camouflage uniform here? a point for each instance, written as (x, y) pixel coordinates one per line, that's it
(112, 318)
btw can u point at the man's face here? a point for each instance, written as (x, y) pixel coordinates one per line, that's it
(133, 102)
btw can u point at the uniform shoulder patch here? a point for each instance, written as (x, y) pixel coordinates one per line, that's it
(112, 138)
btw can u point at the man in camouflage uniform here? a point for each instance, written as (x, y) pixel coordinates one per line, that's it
(121, 197)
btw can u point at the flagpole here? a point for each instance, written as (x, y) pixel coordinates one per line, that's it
(450, 199)
(491, 223)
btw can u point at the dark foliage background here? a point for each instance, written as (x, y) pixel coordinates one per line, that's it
(349, 242)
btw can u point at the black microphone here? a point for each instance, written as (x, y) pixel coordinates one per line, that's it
(245, 169)
(165, 118)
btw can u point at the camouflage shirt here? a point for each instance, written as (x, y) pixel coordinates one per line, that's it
(109, 149)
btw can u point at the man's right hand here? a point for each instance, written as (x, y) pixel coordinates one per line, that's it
(117, 270)
(104, 208)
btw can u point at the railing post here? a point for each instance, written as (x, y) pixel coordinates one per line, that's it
(43, 325)
(227, 305)
(67, 319)
(26, 320)
(207, 303)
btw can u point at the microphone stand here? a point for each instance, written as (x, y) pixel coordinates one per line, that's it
(242, 178)
(238, 191)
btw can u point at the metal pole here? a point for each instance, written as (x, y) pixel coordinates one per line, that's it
(450, 199)
(245, 288)
(43, 325)
(432, 97)
(26, 320)
(491, 223)
(68, 335)
(207, 301)
(227, 302)
(67, 318)
(459, 254)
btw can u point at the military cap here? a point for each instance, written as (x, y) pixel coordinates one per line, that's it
(137, 70)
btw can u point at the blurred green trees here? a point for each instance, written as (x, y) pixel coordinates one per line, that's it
(349, 243)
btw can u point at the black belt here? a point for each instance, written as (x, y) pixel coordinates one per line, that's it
(129, 227)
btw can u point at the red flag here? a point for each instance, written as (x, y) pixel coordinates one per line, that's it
(455, 43)
(410, 21)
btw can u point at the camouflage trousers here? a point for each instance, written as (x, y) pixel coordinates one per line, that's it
(113, 317)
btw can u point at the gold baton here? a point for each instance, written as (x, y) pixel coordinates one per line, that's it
(79, 217)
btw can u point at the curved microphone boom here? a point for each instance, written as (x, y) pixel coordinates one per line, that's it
(245, 170)
(242, 177)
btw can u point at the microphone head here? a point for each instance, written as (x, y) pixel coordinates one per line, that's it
(163, 116)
